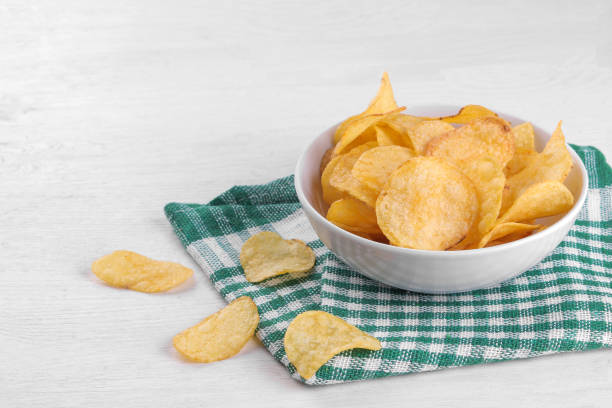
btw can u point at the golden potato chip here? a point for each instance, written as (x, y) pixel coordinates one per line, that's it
(358, 127)
(221, 335)
(552, 164)
(403, 125)
(330, 193)
(539, 200)
(327, 156)
(314, 337)
(426, 204)
(266, 254)
(374, 166)
(426, 131)
(519, 161)
(505, 229)
(489, 137)
(126, 269)
(353, 215)
(382, 102)
(524, 136)
(467, 114)
(489, 180)
(341, 177)
(385, 136)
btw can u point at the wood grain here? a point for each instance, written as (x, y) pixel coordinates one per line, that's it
(109, 110)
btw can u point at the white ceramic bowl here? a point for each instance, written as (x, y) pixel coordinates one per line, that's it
(434, 271)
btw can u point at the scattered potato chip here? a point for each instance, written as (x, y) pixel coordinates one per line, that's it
(382, 102)
(126, 269)
(341, 177)
(505, 229)
(539, 200)
(266, 254)
(385, 136)
(467, 114)
(524, 136)
(552, 164)
(489, 137)
(426, 204)
(314, 337)
(358, 127)
(403, 125)
(354, 215)
(221, 335)
(489, 180)
(426, 131)
(374, 166)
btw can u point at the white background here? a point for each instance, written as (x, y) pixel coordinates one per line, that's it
(110, 109)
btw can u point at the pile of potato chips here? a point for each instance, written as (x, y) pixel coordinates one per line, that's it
(465, 181)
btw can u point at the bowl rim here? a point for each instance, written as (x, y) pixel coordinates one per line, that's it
(569, 217)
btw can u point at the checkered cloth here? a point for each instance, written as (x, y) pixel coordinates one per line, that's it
(562, 304)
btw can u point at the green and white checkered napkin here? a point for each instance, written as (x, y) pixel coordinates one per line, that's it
(562, 304)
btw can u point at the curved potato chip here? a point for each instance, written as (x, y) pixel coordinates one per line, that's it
(354, 216)
(506, 229)
(403, 125)
(524, 137)
(539, 200)
(385, 136)
(359, 127)
(552, 164)
(468, 114)
(221, 335)
(426, 204)
(341, 177)
(126, 269)
(426, 131)
(382, 102)
(330, 193)
(314, 337)
(521, 159)
(489, 180)
(374, 166)
(266, 254)
(327, 156)
(489, 137)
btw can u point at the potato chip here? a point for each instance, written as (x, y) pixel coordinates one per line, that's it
(552, 164)
(327, 156)
(489, 180)
(330, 193)
(468, 114)
(426, 204)
(385, 136)
(524, 136)
(354, 215)
(426, 131)
(266, 254)
(521, 159)
(374, 166)
(221, 335)
(490, 137)
(314, 337)
(382, 102)
(126, 269)
(403, 125)
(505, 229)
(539, 200)
(341, 177)
(357, 128)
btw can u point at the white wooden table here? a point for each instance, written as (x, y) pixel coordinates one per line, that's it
(110, 109)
